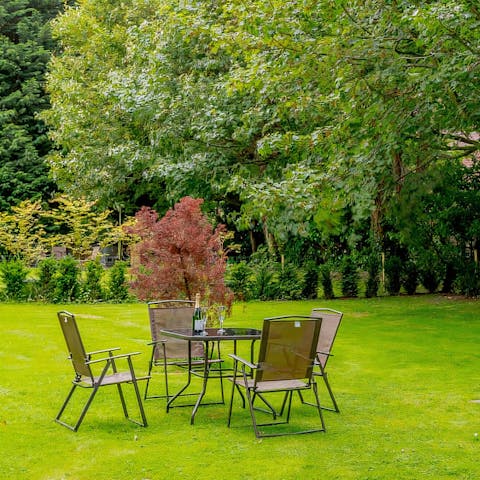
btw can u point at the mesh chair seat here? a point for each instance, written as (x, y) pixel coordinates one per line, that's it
(113, 379)
(273, 386)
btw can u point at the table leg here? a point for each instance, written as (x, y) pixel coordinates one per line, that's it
(189, 378)
(206, 371)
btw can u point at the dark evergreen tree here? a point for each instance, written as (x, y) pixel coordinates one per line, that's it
(25, 48)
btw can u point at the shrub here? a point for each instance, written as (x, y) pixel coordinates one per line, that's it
(290, 283)
(92, 287)
(393, 269)
(326, 281)
(468, 280)
(430, 271)
(350, 277)
(239, 279)
(179, 254)
(264, 284)
(46, 283)
(117, 282)
(67, 284)
(14, 275)
(451, 273)
(310, 283)
(409, 277)
(373, 269)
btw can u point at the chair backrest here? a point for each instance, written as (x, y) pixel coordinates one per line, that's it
(75, 347)
(172, 314)
(330, 322)
(287, 348)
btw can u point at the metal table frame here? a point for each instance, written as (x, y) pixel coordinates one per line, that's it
(210, 340)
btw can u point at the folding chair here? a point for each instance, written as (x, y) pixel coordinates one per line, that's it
(83, 364)
(285, 364)
(330, 323)
(170, 352)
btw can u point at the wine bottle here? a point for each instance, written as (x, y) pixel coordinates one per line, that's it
(197, 315)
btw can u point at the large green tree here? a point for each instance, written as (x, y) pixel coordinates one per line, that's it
(304, 117)
(25, 48)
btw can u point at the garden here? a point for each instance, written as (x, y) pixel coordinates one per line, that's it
(272, 157)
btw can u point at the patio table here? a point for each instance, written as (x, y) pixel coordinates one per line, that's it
(211, 338)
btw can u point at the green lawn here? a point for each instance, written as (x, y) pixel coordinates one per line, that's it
(406, 372)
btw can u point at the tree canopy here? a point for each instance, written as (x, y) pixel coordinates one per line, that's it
(305, 118)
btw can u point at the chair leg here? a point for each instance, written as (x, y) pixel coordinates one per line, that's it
(319, 408)
(327, 384)
(76, 426)
(150, 366)
(330, 392)
(270, 407)
(252, 412)
(62, 409)
(221, 372)
(122, 400)
(234, 387)
(143, 423)
(86, 407)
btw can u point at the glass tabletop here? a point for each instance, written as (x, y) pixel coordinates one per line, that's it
(234, 333)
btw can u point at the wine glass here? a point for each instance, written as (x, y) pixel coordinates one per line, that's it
(221, 318)
(204, 321)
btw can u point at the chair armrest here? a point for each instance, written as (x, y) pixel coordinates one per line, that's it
(96, 352)
(328, 354)
(242, 360)
(156, 342)
(113, 357)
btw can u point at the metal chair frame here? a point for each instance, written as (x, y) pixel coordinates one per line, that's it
(84, 376)
(331, 320)
(291, 371)
(168, 352)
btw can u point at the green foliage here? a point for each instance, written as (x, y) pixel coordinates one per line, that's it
(265, 275)
(91, 287)
(468, 280)
(326, 281)
(79, 226)
(46, 283)
(22, 234)
(430, 270)
(25, 49)
(117, 283)
(373, 270)
(67, 280)
(393, 274)
(289, 118)
(291, 283)
(29, 231)
(282, 115)
(14, 275)
(350, 276)
(239, 279)
(311, 277)
(409, 277)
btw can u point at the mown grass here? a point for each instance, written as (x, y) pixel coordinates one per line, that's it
(405, 372)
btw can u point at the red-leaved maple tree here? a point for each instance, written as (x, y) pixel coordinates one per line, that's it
(179, 255)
